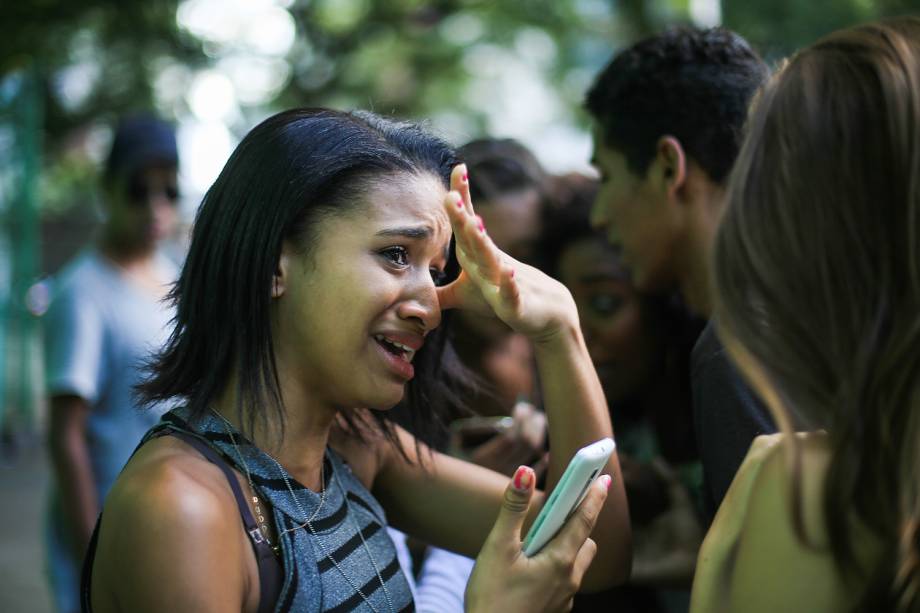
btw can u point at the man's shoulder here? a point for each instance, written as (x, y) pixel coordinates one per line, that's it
(718, 383)
(727, 414)
(707, 347)
(85, 275)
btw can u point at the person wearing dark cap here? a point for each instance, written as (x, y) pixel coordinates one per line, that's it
(107, 315)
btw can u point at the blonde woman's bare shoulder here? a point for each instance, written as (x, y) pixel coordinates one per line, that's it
(753, 558)
(771, 462)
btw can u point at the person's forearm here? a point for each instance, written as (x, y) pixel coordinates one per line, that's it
(77, 488)
(573, 398)
(578, 416)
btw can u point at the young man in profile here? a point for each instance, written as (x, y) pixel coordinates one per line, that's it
(669, 114)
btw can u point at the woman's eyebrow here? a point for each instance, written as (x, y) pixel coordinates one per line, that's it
(413, 232)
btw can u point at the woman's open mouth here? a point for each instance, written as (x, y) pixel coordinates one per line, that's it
(398, 356)
(397, 349)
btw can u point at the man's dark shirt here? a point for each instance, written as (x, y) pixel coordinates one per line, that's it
(727, 417)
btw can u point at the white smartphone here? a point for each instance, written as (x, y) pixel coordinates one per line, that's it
(581, 472)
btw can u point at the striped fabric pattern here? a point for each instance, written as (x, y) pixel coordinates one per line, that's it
(321, 571)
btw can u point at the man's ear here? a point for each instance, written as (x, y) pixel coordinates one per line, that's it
(672, 164)
(282, 272)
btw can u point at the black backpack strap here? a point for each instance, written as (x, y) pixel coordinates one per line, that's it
(271, 574)
(86, 573)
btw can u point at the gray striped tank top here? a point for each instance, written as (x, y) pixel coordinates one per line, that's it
(347, 553)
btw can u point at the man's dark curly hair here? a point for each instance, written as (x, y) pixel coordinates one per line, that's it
(692, 84)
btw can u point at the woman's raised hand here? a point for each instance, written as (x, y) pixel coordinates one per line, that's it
(493, 283)
(506, 580)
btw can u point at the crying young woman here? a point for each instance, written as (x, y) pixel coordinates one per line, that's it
(324, 262)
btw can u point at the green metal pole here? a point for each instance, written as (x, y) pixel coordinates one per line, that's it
(20, 120)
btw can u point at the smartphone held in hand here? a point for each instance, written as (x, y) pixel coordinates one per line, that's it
(581, 472)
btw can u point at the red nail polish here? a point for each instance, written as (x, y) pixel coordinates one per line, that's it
(606, 480)
(459, 203)
(522, 478)
(466, 177)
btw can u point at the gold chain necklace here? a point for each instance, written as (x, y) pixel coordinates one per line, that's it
(322, 546)
(257, 503)
(263, 527)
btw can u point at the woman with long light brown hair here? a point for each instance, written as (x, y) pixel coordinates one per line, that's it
(817, 267)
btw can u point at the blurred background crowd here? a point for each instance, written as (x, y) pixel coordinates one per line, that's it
(504, 80)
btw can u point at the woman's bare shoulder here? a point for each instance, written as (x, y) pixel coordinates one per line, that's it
(766, 476)
(754, 553)
(779, 484)
(166, 477)
(170, 530)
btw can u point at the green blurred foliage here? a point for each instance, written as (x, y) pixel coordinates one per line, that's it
(115, 39)
(400, 56)
(779, 27)
(395, 55)
(410, 58)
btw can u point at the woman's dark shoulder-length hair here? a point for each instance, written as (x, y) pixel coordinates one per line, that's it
(287, 174)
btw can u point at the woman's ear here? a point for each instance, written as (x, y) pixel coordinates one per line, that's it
(672, 160)
(282, 273)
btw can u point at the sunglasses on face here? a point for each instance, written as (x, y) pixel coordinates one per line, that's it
(140, 192)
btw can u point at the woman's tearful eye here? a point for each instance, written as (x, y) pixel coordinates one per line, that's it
(396, 255)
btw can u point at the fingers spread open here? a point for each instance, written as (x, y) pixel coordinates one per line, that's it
(508, 286)
(459, 219)
(456, 209)
(483, 252)
(477, 253)
(460, 182)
